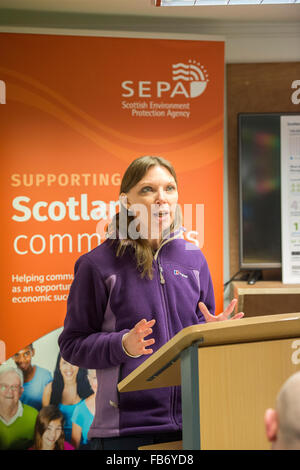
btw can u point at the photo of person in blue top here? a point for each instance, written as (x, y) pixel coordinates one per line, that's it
(84, 414)
(35, 377)
(69, 387)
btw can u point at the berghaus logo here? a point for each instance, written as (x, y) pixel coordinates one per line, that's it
(178, 273)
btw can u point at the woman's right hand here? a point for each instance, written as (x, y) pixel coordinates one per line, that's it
(134, 342)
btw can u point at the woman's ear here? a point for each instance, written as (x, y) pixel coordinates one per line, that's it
(123, 200)
(271, 424)
(125, 203)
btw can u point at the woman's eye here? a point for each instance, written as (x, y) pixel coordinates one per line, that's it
(146, 189)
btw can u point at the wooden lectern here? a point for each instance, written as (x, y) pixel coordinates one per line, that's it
(230, 373)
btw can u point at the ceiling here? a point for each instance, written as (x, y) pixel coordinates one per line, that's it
(145, 8)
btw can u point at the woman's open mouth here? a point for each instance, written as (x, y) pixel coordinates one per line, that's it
(161, 215)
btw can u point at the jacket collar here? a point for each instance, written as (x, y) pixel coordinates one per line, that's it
(173, 236)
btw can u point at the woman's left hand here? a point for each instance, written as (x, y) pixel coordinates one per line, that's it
(222, 316)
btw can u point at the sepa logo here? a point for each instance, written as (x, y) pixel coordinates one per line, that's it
(2, 92)
(188, 80)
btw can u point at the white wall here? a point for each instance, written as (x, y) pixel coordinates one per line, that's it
(253, 44)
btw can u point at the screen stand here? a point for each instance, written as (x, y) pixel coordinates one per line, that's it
(254, 276)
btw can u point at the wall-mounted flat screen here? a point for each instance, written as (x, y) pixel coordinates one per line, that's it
(259, 190)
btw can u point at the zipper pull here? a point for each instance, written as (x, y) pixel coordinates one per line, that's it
(162, 279)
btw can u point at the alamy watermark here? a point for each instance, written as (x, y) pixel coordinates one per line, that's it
(2, 92)
(144, 222)
(2, 352)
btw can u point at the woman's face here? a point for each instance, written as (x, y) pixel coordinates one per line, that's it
(52, 434)
(68, 371)
(153, 200)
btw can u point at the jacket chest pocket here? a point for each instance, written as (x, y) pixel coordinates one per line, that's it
(183, 287)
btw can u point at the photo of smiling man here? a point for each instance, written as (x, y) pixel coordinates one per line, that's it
(35, 377)
(17, 421)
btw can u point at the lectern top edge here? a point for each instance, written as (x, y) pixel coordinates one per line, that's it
(264, 328)
(242, 330)
(244, 325)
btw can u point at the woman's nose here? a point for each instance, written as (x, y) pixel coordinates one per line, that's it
(161, 196)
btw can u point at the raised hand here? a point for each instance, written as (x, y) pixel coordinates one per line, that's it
(134, 341)
(226, 315)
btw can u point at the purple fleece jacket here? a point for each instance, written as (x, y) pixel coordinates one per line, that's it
(107, 298)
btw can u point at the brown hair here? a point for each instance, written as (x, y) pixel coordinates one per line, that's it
(143, 251)
(46, 415)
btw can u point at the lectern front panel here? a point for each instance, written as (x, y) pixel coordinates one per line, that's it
(237, 383)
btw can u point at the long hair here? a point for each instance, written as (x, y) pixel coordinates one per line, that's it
(83, 387)
(141, 246)
(46, 415)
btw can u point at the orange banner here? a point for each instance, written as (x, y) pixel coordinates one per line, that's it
(74, 112)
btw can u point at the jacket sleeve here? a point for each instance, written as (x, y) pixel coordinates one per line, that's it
(82, 342)
(207, 295)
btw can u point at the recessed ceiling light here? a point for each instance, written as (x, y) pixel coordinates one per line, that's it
(186, 3)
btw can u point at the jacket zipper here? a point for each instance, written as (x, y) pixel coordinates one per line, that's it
(156, 258)
(163, 282)
(161, 276)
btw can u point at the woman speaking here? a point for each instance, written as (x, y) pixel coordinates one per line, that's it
(131, 295)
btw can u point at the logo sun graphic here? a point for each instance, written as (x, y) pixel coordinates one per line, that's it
(192, 72)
